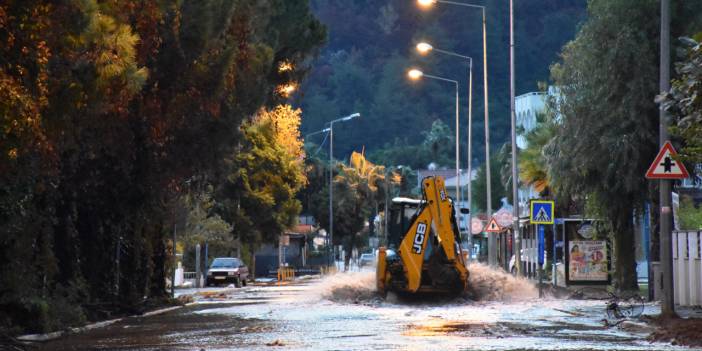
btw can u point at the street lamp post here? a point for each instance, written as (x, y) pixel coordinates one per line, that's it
(515, 172)
(331, 177)
(425, 48)
(492, 243)
(175, 238)
(415, 74)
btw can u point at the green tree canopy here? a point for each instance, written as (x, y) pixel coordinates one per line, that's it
(437, 147)
(608, 122)
(533, 163)
(683, 103)
(106, 109)
(263, 177)
(497, 187)
(358, 189)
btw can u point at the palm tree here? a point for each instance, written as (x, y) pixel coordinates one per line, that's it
(533, 164)
(360, 187)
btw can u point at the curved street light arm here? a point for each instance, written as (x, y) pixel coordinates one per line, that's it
(461, 4)
(454, 54)
(317, 132)
(345, 118)
(441, 78)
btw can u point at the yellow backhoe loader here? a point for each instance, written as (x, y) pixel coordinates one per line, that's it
(423, 251)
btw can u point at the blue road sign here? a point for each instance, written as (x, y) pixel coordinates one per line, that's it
(541, 212)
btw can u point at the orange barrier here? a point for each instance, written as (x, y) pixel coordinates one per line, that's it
(286, 274)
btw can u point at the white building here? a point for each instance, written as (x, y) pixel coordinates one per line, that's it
(527, 107)
(450, 184)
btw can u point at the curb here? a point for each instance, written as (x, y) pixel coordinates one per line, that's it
(57, 334)
(28, 338)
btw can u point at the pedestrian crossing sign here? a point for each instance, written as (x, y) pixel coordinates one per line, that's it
(541, 212)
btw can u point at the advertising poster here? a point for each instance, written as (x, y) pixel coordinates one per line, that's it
(587, 260)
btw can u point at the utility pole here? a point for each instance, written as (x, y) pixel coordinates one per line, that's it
(331, 180)
(330, 236)
(515, 173)
(118, 253)
(492, 241)
(175, 256)
(385, 212)
(458, 156)
(666, 254)
(470, 160)
(198, 275)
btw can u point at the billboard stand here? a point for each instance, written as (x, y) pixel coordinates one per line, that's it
(587, 259)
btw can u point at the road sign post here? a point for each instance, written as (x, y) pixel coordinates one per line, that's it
(541, 212)
(666, 167)
(540, 228)
(541, 244)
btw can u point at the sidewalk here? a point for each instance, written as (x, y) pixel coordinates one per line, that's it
(684, 331)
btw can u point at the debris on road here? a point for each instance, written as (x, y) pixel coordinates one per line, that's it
(677, 331)
(275, 343)
(185, 299)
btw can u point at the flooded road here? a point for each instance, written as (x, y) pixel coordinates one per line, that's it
(342, 312)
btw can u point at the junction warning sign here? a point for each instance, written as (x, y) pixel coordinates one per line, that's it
(665, 166)
(492, 226)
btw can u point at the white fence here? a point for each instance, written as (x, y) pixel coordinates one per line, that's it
(179, 276)
(687, 268)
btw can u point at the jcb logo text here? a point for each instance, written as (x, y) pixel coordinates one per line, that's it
(419, 238)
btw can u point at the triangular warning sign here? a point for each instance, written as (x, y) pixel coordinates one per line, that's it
(492, 226)
(665, 166)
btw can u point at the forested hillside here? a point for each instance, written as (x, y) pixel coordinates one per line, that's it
(371, 46)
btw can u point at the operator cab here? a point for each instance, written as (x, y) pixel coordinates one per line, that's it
(402, 212)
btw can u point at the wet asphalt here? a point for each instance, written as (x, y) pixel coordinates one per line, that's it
(343, 313)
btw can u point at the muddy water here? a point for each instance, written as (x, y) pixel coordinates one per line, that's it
(485, 284)
(343, 312)
(354, 287)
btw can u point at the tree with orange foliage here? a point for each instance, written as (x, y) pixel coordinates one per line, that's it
(106, 109)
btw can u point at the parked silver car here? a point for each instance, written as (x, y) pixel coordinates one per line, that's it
(367, 259)
(227, 270)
